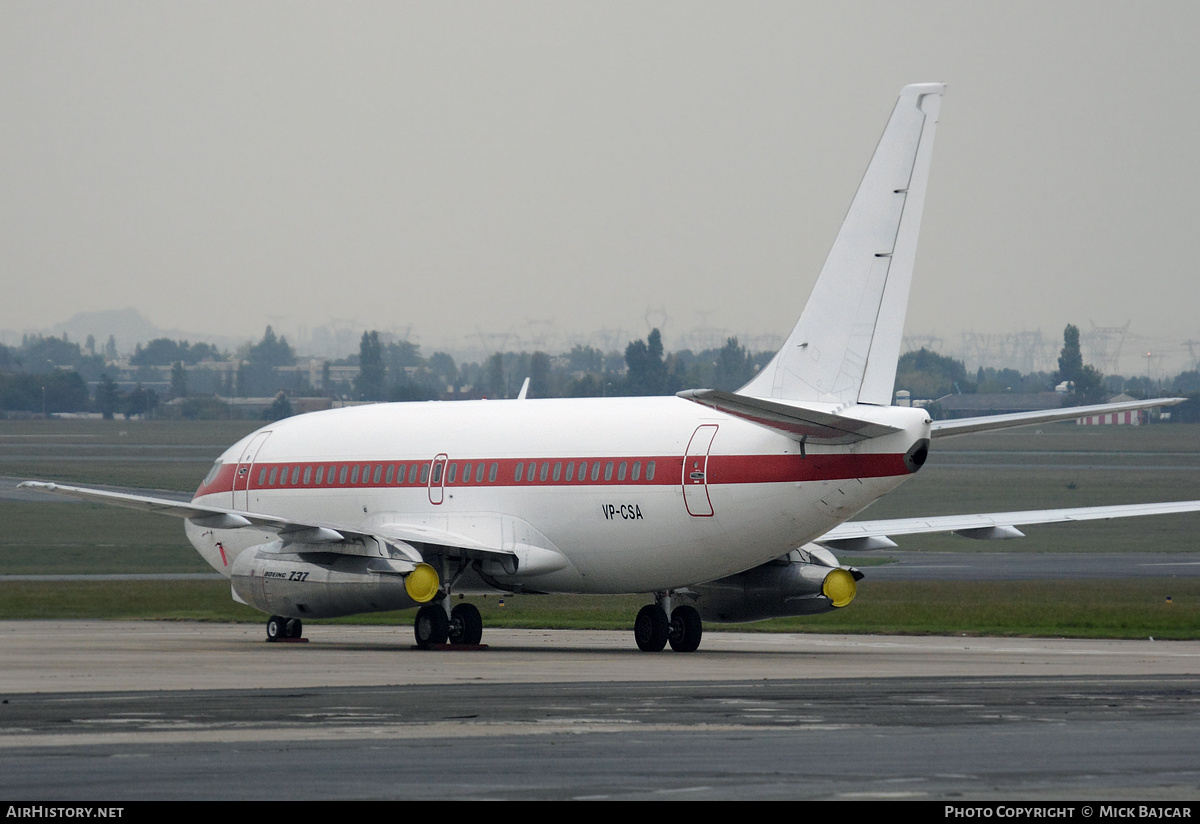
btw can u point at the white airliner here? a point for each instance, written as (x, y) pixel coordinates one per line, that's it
(721, 505)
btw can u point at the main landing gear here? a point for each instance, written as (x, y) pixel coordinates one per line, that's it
(659, 623)
(437, 623)
(464, 625)
(284, 629)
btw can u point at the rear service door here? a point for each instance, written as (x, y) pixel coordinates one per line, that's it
(695, 471)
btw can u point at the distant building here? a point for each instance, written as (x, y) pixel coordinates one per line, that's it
(1130, 417)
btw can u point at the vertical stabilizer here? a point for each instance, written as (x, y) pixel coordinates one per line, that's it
(845, 346)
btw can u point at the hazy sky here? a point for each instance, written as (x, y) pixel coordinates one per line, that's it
(465, 168)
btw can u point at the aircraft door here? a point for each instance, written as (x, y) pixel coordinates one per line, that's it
(437, 479)
(241, 477)
(695, 471)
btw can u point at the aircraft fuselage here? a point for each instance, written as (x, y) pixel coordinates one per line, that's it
(635, 494)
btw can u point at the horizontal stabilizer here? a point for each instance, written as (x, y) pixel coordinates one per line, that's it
(986, 423)
(812, 425)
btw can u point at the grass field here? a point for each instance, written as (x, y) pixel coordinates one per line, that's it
(1056, 466)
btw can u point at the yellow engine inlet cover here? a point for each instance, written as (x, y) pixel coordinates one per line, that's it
(839, 586)
(422, 583)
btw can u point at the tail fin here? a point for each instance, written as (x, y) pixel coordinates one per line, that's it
(845, 346)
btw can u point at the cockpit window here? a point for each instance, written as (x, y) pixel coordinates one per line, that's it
(212, 474)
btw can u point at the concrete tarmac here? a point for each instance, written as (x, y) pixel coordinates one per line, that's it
(130, 710)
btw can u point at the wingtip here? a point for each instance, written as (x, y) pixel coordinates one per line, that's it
(37, 485)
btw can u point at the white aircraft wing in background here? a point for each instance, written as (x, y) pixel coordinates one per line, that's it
(867, 535)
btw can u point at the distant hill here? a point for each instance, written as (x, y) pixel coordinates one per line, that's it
(130, 327)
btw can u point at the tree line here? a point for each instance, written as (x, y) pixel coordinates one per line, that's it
(49, 374)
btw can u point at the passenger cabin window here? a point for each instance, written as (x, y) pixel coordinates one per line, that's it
(545, 471)
(387, 478)
(271, 479)
(451, 473)
(621, 471)
(307, 475)
(424, 473)
(596, 471)
(650, 471)
(519, 472)
(608, 471)
(342, 475)
(492, 473)
(635, 470)
(320, 475)
(479, 473)
(570, 471)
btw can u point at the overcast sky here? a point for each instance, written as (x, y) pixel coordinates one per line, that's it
(467, 168)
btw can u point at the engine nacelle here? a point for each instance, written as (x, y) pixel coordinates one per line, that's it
(806, 581)
(314, 584)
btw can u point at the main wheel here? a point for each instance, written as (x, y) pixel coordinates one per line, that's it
(276, 628)
(432, 626)
(466, 624)
(651, 629)
(294, 628)
(686, 629)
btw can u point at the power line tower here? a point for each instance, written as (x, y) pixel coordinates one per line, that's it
(1103, 345)
(1191, 347)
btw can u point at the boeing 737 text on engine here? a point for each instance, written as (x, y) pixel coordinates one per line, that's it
(723, 506)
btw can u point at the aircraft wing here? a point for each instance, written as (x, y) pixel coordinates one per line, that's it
(868, 535)
(964, 426)
(203, 515)
(330, 537)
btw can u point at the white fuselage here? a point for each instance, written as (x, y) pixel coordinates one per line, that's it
(673, 493)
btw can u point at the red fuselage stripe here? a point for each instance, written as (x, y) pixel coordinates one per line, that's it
(545, 472)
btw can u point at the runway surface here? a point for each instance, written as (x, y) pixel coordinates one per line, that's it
(123, 711)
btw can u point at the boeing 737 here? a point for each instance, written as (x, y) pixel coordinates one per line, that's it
(720, 506)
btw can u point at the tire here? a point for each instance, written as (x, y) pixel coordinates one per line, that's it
(686, 629)
(431, 626)
(466, 624)
(295, 628)
(650, 629)
(276, 628)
